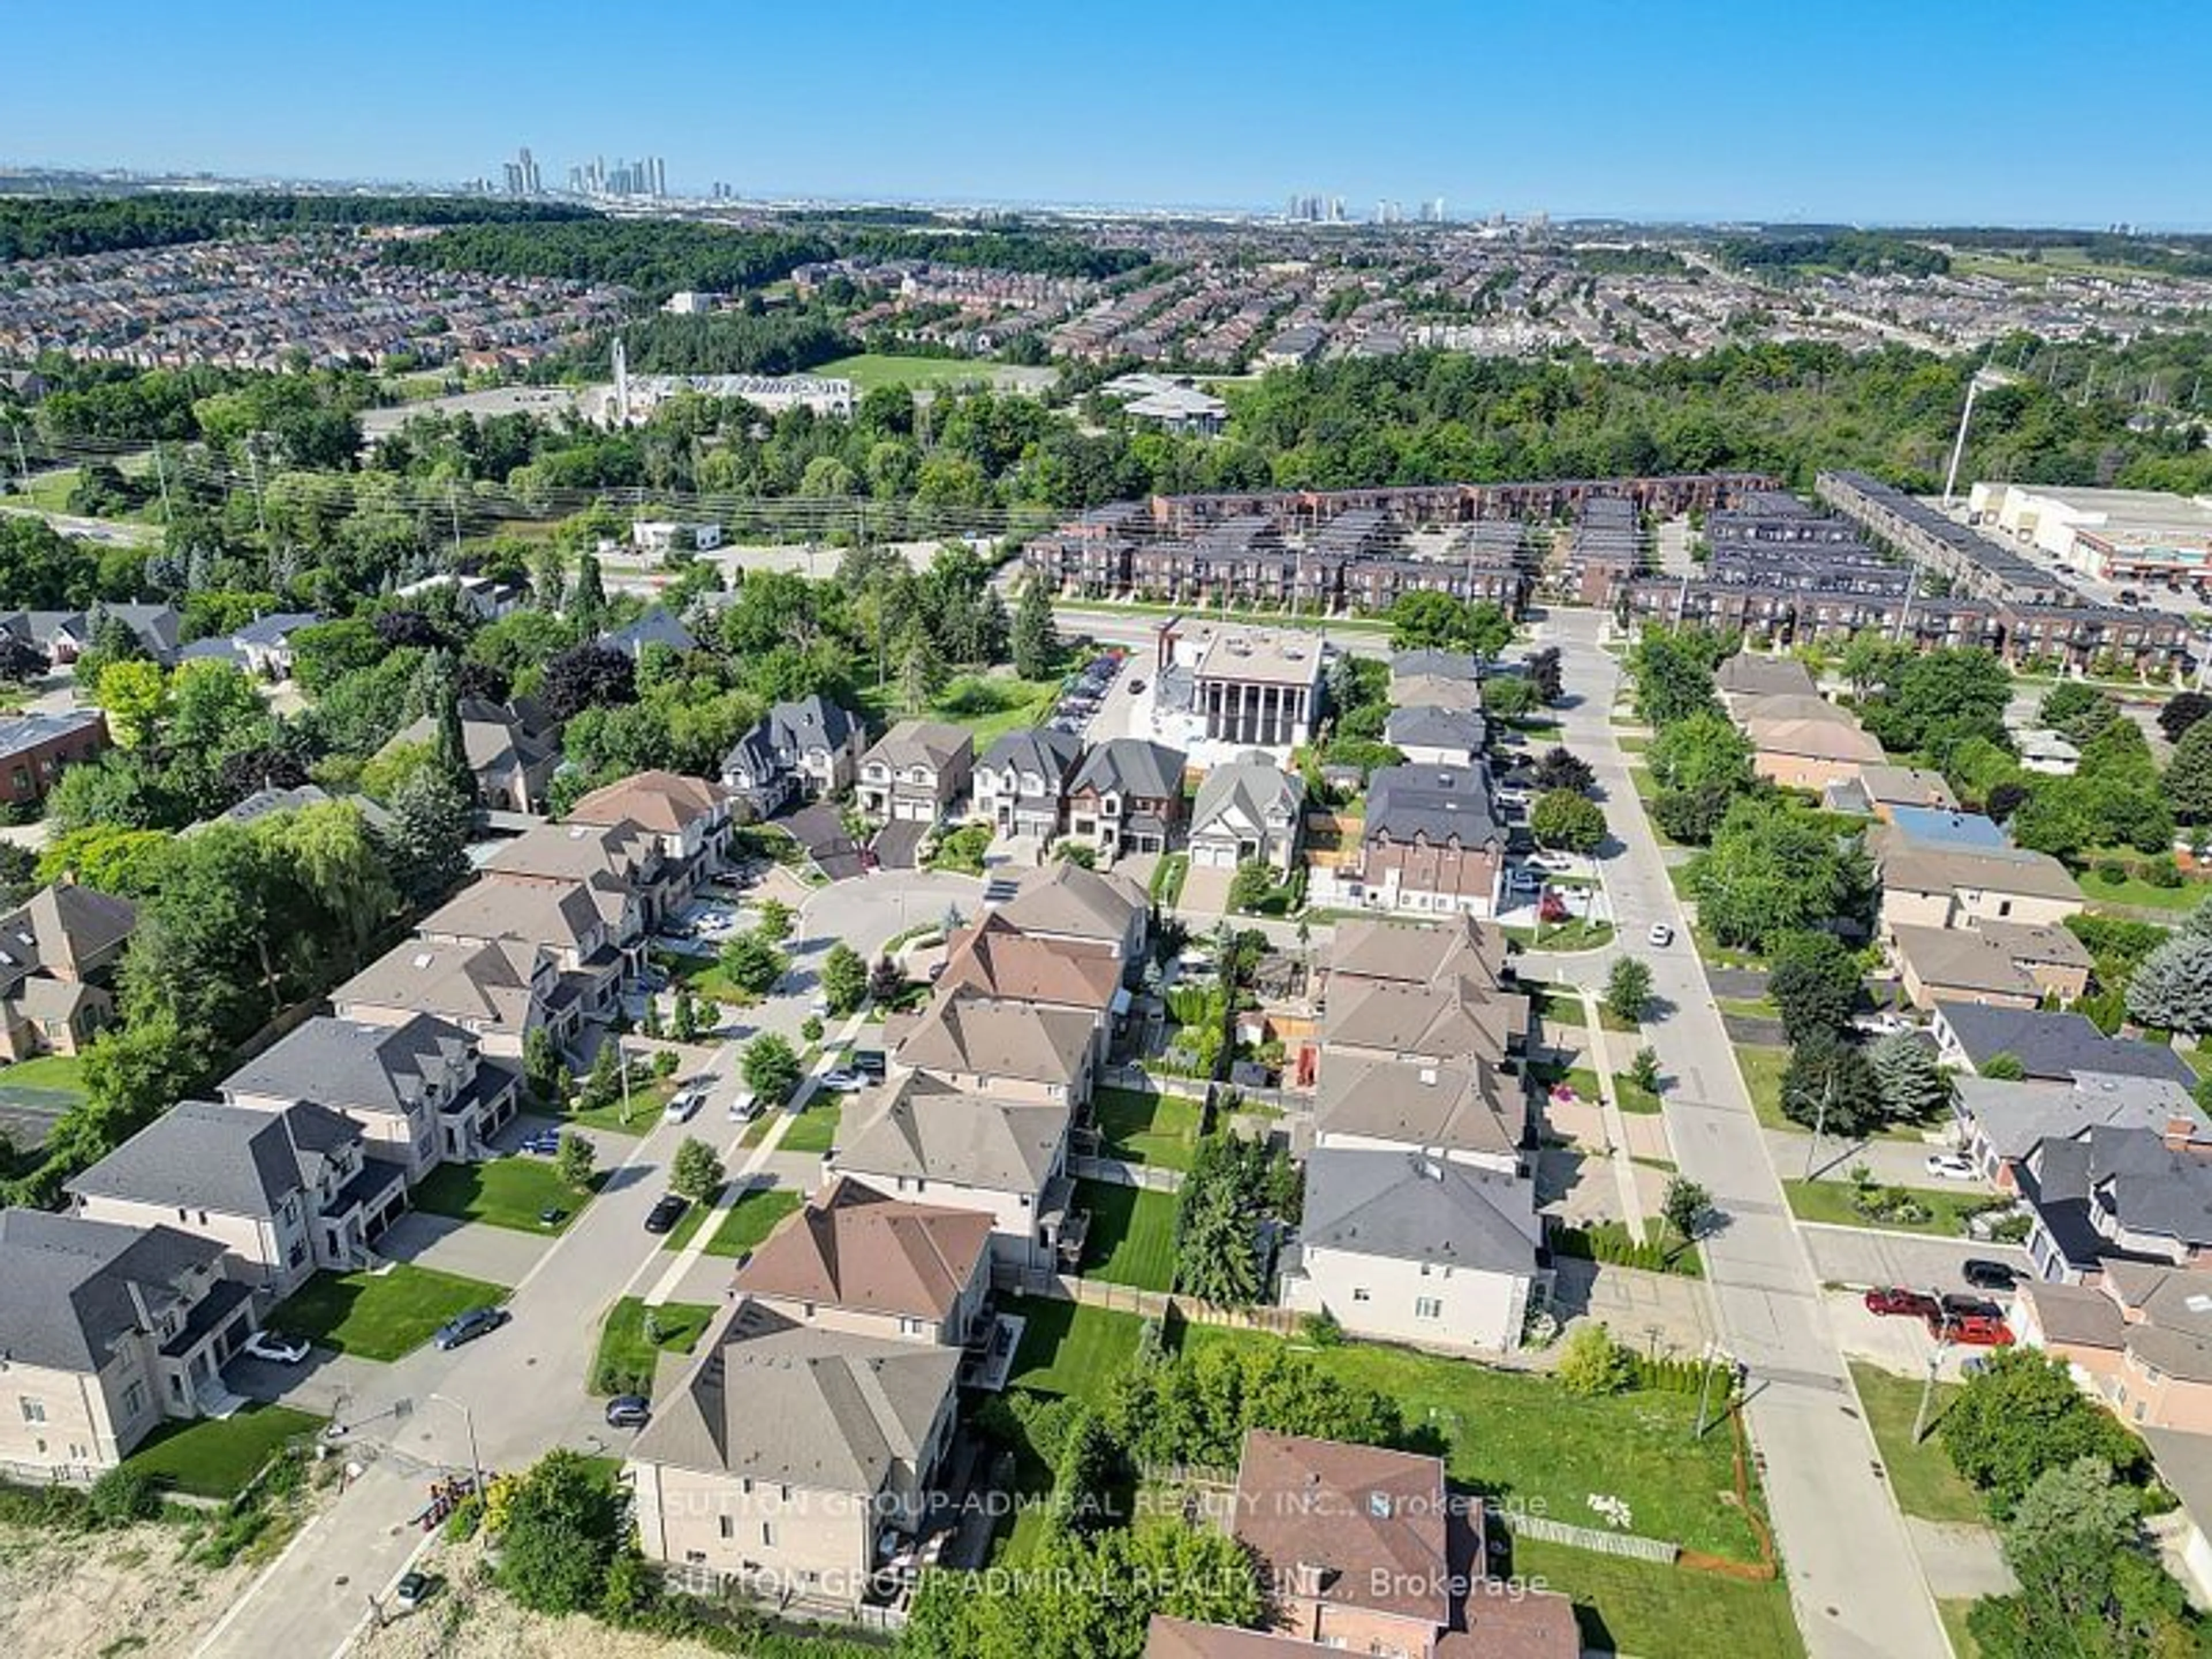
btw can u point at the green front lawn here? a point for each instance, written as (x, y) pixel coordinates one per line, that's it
(1526, 1442)
(1132, 1236)
(1663, 1612)
(636, 1117)
(1556, 1004)
(1168, 879)
(1142, 1128)
(1069, 1349)
(1920, 1476)
(1566, 936)
(1613, 1022)
(212, 1457)
(384, 1315)
(63, 1074)
(815, 1129)
(502, 1192)
(750, 1219)
(1830, 1201)
(627, 1357)
(705, 976)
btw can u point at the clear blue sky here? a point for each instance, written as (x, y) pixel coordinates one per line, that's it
(2035, 111)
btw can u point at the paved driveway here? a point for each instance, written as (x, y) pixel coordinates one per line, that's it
(474, 1249)
(1205, 891)
(895, 844)
(1862, 1257)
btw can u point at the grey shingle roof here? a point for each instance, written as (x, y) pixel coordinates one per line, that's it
(812, 722)
(931, 1131)
(354, 1066)
(1412, 1208)
(1439, 802)
(818, 1409)
(654, 627)
(230, 1160)
(1131, 766)
(1429, 727)
(1049, 754)
(65, 1282)
(1250, 787)
(2057, 1046)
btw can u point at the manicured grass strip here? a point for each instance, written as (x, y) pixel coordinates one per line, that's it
(750, 1219)
(1069, 1349)
(1558, 1006)
(694, 1218)
(210, 1457)
(1663, 1612)
(1920, 1476)
(1955, 1610)
(1140, 1126)
(637, 1117)
(1762, 1068)
(63, 1074)
(1521, 1438)
(1633, 1097)
(1566, 936)
(1830, 1201)
(501, 1192)
(626, 1355)
(1613, 1022)
(1132, 1238)
(381, 1316)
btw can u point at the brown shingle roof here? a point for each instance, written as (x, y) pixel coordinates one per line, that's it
(858, 1250)
(1354, 1525)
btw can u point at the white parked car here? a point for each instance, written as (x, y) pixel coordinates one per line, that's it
(682, 1104)
(1559, 864)
(1952, 1166)
(276, 1349)
(842, 1081)
(1660, 934)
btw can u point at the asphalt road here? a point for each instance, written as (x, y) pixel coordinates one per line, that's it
(521, 1389)
(1856, 1584)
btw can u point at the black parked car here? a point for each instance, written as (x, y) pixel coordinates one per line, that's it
(468, 1326)
(667, 1210)
(628, 1411)
(1988, 1275)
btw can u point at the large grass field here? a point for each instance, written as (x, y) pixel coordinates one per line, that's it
(1138, 1126)
(1663, 1612)
(750, 1219)
(215, 1457)
(1525, 1440)
(1920, 1476)
(381, 1316)
(1068, 1349)
(1830, 1201)
(626, 1359)
(502, 1192)
(988, 705)
(1132, 1238)
(870, 369)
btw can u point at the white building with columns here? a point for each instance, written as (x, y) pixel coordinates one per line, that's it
(1237, 687)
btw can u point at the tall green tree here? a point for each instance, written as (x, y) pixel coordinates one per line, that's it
(1036, 631)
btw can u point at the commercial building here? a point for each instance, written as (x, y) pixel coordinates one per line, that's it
(2143, 536)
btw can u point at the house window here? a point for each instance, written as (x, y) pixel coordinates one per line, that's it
(768, 1535)
(726, 1525)
(1428, 1307)
(134, 1400)
(1359, 1293)
(34, 1411)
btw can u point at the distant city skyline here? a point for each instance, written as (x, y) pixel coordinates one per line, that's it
(1875, 112)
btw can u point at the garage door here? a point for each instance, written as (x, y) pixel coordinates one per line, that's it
(1213, 856)
(914, 811)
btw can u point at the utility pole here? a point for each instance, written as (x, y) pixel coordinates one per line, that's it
(1819, 1122)
(622, 1065)
(1704, 1388)
(1927, 1393)
(22, 460)
(468, 1422)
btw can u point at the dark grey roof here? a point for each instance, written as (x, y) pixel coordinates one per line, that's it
(2131, 1175)
(2057, 1046)
(21, 731)
(1428, 727)
(1050, 754)
(1439, 802)
(1131, 766)
(1410, 1207)
(654, 627)
(231, 1160)
(812, 722)
(349, 1065)
(275, 627)
(157, 626)
(66, 1285)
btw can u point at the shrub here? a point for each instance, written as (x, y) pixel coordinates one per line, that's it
(122, 1496)
(1593, 1364)
(2161, 871)
(1322, 1329)
(2111, 871)
(664, 1064)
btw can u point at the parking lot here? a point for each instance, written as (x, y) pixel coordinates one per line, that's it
(1087, 695)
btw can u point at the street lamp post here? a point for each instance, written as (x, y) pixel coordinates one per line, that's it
(468, 1422)
(1927, 1393)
